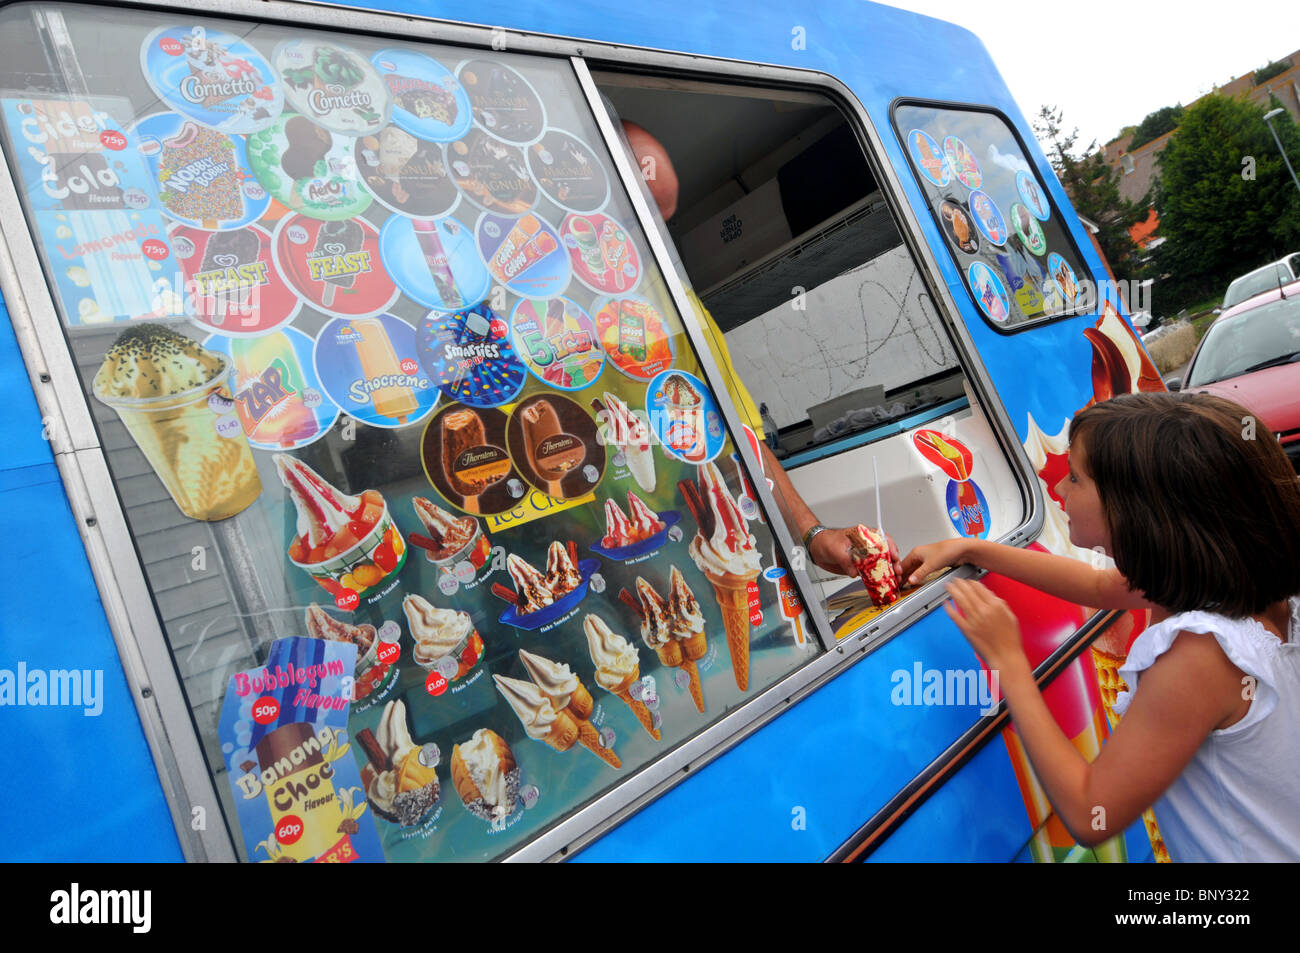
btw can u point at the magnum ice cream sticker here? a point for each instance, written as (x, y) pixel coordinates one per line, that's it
(406, 174)
(334, 266)
(332, 86)
(369, 368)
(554, 444)
(212, 77)
(569, 172)
(504, 103)
(428, 101)
(492, 174)
(466, 461)
(231, 282)
(308, 169)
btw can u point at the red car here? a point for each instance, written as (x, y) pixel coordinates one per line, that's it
(1251, 355)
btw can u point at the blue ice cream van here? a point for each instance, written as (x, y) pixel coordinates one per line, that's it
(377, 486)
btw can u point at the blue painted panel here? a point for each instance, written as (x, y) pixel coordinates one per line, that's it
(24, 439)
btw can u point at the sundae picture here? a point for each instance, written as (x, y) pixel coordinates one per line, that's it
(618, 668)
(162, 385)
(686, 434)
(370, 672)
(448, 538)
(629, 432)
(561, 729)
(442, 634)
(541, 598)
(622, 531)
(673, 627)
(727, 554)
(485, 775)
(870, 552)
(401, 785)
(530, 586)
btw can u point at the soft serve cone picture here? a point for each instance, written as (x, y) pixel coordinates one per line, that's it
(618, 669)
(400, 777)
(679, 643)
(486, 776)
(542, 722)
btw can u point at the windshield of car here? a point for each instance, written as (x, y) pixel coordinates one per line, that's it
(1262, 335)
(1263, 279)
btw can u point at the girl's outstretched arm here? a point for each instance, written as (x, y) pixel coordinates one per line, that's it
(1059, 576)
(1188, 692)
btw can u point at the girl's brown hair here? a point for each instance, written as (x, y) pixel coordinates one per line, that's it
(1202, 505)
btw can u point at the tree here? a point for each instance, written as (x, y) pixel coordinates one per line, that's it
(1094, 190)
(1225, 200)
(1155, 125)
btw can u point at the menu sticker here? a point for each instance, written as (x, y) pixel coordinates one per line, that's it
(990, 294)
(465, 459)
(333, 86)
(74, 156)
(232, 284)
(958, 226)
(504, 102)
(524, 254)
(569, 172)
(1033, 196)
(469, 357)
(308, 169)
(557, 340)
(492, 174)
(434, 262)
(634, 335)
(929, 157)
(988, 218)
(553, 443)
(212, 77)
(334, 266)
(963, 163)
(277, 392)
(428, 101)
(368, 367)
(406, 174)
(685, 417)
(602, 253)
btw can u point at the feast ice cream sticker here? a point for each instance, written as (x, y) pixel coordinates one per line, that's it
(308, 169)
(232, 284)
(369, 368)
(333, 86)
(428, 101)
(334, 266)
(212, 77)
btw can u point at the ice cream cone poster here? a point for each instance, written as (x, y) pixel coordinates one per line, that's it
(968, 510)
(406, 174)
(524, 254)
(685, 417)
(963, 163)
(469, 357)
(990, 294)
(552, 441)
(286, 746)
(428, 101)
(557, 340)
(465, 458)
(492, 174)
(202, 176)
(1033, 196)
(334, 266)
(212, 77)
(1027, 229)
(368, 366)
(434, 262)
(331, 85)
(278, 397)
(231, 282)
(602, 253)
(635, 335)
(504, 102)
(569, 172)
(929, 157)
(988, 218)
(308, 169)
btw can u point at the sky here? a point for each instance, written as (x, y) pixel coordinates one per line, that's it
(1125, 58)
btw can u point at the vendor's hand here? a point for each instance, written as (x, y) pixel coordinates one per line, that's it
(929, 558)
(832, 552)
(987, 622)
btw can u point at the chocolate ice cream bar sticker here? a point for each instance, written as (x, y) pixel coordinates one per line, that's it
(524, 254)
(232, 284)
(428, 101)
(465, 459)
(492, 174)
(958, 226)
(1028, 229)
(634, 335)
(406, 174)
(212, 77)
(434, 262)
(929, 158)
(278, 395)
(469, 357)
(568, 172)
(334, 266)
(308, 169)
(369, 368)
(685, 417)
(602, 253)
(988, 218)
(504, 103)
(1033, 197)
(557, 340)
(333, 86)
(203, 177)
(553, 443)
(73, 156)
(989, 292)
(962, 162)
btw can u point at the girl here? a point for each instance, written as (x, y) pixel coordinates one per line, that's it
(1201, 514)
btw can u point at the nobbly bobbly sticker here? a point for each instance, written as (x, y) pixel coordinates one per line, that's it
(406, 174)
(333, 86)
(233, 286)
(1033, 196)
(465, 458)
(557, 340)
(963, 163)
(334, 266)
(504, 103)
(602, 253)
(524, 254)
(1028, 229)
(989, 292)
(490, 173)
(212, 77)
(988, 218)
(308, 169)
(203, 176)
(469, 357)
(434, 263)
(428, 101)
(568, 172)
(929, 157)
(553, 443)
(369, 368)
(634, 335)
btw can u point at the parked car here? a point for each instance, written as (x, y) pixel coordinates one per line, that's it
(1251, 354)
(1267, 278)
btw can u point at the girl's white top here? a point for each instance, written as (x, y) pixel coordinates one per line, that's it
(1239, 797)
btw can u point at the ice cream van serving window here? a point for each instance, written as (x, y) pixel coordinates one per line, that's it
(1005, 235)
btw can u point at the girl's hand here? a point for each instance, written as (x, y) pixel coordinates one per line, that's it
(987, 622)
(929, 558)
